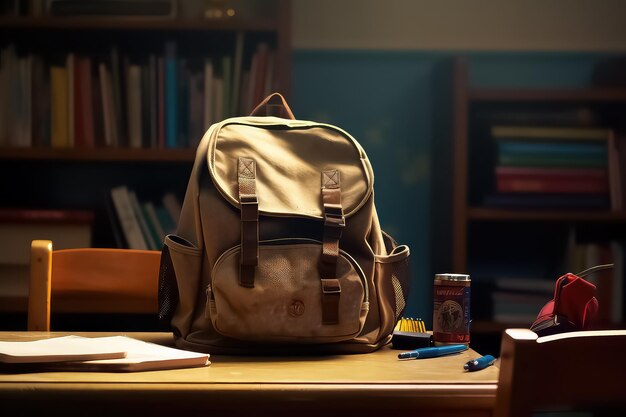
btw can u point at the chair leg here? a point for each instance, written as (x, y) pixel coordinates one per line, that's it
(39, 286)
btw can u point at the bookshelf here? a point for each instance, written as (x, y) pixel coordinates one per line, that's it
(117, 43)
(497, 244)
(78, 175)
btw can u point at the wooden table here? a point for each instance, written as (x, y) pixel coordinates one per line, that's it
(343, 385)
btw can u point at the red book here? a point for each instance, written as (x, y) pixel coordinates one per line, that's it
(552, 173)
(552, 185)
(87, 102)
(79, 108)
(18, 215)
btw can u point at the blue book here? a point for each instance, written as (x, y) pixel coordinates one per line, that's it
(549, 148)
(551, 160)
(171, 96)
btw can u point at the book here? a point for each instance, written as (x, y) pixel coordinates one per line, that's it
(40, 100)
(87, 101)
(129, 355)
(59, 107)
(114, 222)
(19, 227)
(71, 102)
(564, 115)
(59, 349)
(552, 160)
(196, 109)
(513, 304)
(143, 224)
(133, 100)
(237, 71)
(553, 133)
(525, 284)
(539, 172)
(172, 205)
(127, 218)
(165, 220)
(208, 94)
(112, 8)
(66, 229)
(183, 102)
(141, 356)
(161, 103)
(116, 100)
(108, 115)
(617, 170)
(227, 86)
(511, 147)
(158, 233)
(171, 95)
(547, 201)
(552, 185)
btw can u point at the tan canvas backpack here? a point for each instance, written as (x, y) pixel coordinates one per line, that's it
(279, 248)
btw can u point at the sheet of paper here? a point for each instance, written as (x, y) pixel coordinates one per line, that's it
(142, 356)
(59, 349)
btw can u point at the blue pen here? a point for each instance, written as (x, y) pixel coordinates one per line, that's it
(431, 352)
(480, 363)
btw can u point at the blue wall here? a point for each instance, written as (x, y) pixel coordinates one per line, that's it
(385, 100)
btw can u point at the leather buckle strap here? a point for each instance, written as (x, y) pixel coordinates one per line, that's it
(331, 293)
(334, 222)
(249, 205)
(333, 215)
(249, 208)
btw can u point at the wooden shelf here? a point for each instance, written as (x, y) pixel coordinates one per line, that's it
(104, 154)
(138, 23)
(481, 213)
(576, 95)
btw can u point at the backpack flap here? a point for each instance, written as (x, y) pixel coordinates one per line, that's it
(290, 157)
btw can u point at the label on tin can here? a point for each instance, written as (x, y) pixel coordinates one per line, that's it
(451, 312)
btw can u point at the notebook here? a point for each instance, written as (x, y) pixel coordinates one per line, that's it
(104, 354)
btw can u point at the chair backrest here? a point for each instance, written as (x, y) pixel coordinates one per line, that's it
(577, 371)
(90, 280)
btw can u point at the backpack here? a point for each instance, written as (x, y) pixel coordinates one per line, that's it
(278, 249)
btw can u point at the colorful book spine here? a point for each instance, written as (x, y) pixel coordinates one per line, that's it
(171, 96)
(531, 133)
(59, 107)
(526, 160)
(594, 149)
(552, 185)
(538, 172)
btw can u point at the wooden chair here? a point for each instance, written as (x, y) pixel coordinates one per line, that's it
(90, 280)
(577, 371)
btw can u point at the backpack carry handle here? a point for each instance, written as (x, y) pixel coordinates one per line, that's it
(273, 105)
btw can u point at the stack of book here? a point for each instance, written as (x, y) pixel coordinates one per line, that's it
(554, 167)
(518, 300)
(117, 97)
(142, 224)
(18, 228)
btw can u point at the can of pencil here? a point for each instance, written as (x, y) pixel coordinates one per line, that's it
(451, 309)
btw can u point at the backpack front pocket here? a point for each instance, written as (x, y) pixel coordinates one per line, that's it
(285, 304)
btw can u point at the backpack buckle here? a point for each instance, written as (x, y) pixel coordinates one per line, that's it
(333, 215)
(249, 207)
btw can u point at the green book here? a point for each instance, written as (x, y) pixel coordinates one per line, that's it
(535, 133)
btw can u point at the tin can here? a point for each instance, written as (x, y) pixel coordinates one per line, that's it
(451, 309)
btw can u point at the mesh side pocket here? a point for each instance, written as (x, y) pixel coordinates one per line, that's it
(168, 288)
(401, 280)
(398, 260)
